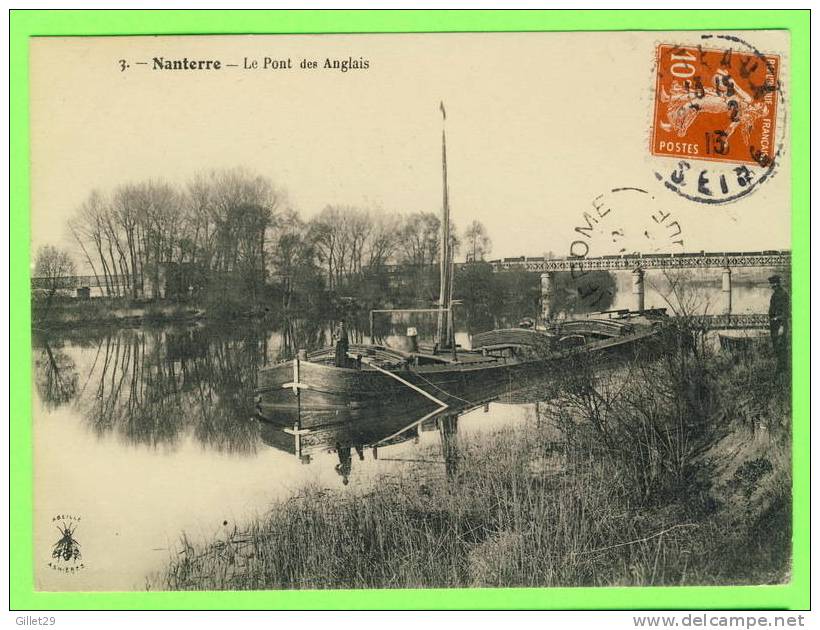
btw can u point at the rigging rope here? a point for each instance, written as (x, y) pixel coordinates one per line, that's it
(442, 404)
(444, 391)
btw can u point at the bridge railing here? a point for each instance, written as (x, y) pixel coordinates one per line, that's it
(694, 260)
(735, 321)
(73, 282)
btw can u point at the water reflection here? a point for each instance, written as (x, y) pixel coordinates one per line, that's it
(151, 432)
(302, 333)
(345, 431)
(153, 387)
(55, 376)
(448, 430)
(364, 433)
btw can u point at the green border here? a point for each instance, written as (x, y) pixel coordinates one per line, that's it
(24, 24)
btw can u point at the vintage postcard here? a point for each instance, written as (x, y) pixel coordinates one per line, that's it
(423, 310)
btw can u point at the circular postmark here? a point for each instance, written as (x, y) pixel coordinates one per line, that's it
(622, 230)
(626, 222)
(720, 115)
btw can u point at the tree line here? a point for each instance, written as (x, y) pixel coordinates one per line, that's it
(233, 232)
(216, 224)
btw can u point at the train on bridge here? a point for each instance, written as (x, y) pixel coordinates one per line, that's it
(700, 254)
(636, 261)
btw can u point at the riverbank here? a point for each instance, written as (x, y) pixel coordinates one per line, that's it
(602, 505)
(124, 313)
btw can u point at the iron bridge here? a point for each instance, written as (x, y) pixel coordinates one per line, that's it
(628, 262)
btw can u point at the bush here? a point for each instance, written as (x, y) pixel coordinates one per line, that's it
(647, 487)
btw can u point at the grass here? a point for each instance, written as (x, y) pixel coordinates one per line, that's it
(525, 510)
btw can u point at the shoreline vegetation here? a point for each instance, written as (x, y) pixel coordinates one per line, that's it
(670, 472)
(487, 298)
(230, 240)
(662, 472)
(102, 313)
(229, 244)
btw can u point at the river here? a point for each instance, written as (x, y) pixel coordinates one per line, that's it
(143, 434)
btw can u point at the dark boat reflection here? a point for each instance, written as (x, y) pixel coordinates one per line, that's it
(303, 433)
(350, 432)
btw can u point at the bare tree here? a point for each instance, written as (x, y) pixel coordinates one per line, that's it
(420, 239)
(681, 293)
(88, 227)
(477, 242)
(689, 303)
(218, 226)
(383, 238)
(324, 233)
(359, 227)
(53, 268)
(293, 257)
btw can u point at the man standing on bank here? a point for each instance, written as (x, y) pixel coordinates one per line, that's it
(779, 318)
(342, 345)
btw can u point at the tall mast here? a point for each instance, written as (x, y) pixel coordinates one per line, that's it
(444, 261)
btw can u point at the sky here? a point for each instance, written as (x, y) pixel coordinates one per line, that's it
(539, 125)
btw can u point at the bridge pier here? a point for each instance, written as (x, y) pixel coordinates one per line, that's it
(726, 289)
(547, 291)
(638, 288)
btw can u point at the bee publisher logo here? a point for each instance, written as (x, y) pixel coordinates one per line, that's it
(66, 555)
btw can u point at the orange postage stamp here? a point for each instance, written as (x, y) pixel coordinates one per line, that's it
(713, 104)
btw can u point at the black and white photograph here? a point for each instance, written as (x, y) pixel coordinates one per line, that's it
(439, 310)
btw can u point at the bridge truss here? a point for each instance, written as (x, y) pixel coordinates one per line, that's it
(628, 262)
(739, 321)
